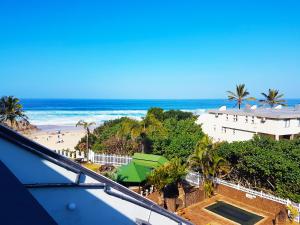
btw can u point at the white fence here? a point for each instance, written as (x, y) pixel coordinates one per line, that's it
(71, 154)
(103, 159)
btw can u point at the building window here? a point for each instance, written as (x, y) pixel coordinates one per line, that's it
(287, 123)
(235, 118)
(252, 120)
(246, 120)
(227, 117)
(233, 131)
(223, 129)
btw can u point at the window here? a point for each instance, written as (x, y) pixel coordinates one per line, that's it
(252, 120)
(287, 123)
(227, 117)
(246, 119)
(233, 131)
(223, 129)
(235, 118)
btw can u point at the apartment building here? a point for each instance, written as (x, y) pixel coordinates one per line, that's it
(241, 124)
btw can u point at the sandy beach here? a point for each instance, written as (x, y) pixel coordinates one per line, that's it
(57, 138)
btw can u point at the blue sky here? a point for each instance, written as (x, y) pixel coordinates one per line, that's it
(148, 49)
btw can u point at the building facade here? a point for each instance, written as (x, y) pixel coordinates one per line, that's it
(240, 125)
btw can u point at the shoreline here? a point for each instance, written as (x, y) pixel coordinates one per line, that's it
(57, 137)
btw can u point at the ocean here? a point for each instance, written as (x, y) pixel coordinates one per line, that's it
(67, 112)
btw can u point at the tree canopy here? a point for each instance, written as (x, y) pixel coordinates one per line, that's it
(240, 95)
(265, 164)
(11, 111)
(273, 98)
(171, 133)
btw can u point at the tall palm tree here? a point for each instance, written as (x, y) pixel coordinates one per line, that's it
(240, 95)
(11, 111)
(273, 98)
(86, 126)
(207, 162)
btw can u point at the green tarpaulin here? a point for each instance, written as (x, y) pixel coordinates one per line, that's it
(139, 168)
(133, 172)
(149, 160)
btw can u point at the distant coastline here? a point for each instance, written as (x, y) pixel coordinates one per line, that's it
(52, 114)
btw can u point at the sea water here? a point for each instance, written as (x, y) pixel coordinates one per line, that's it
(67, 112)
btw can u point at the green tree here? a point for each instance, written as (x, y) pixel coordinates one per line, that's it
(265, 165)
(11, 111)
(86, 126)
(119, 136)
(273, 98)
(171, 173)
(207, 162)
(174, 135)
(158, 113)
(240, 95)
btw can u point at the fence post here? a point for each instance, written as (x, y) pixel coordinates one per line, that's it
(91, 156)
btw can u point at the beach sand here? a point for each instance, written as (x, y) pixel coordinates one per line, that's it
(68, 137)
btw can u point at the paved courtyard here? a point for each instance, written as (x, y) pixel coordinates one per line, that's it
(200, 216)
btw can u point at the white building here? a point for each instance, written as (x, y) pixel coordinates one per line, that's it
(241, 124)
(38, 186)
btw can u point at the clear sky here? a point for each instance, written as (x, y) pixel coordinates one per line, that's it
(148, 49)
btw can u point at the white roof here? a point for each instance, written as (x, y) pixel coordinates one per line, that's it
(273, 113)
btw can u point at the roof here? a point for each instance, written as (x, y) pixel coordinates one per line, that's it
(64, 162)
(133, 172)
(18, 205)
(149, 160)
(272, 113)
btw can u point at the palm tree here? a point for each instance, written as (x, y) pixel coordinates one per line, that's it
(273, 98)
(11, 111)
(206, 161)
(86, 126)
(239, 95)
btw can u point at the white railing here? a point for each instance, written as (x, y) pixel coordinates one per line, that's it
(115, 160)
(71, 154)
(252, 192)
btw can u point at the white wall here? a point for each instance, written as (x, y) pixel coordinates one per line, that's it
(224, 128)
